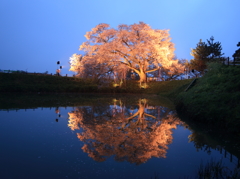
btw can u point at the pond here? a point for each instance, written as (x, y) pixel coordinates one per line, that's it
(104, 137)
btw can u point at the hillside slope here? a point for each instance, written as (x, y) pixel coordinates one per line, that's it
(214, 100)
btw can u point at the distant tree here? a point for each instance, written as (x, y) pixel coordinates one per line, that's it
(204, 53)
(236, 55)
(199, 54)
(201, 51)
(214, 50)
(137, 47)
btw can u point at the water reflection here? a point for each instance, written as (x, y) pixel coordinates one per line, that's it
(132, 133)
(127, 128)
(202, 142)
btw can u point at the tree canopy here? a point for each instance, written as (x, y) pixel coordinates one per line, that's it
(236, 55)
(204, 53)
(135, 47)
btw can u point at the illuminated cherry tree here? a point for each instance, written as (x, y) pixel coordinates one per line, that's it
(137, 47)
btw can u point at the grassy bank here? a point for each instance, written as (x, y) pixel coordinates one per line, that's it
(35, 90)
(33, 83)
(214, 100)
(19, 82)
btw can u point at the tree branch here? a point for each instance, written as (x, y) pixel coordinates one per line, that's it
(148, 71)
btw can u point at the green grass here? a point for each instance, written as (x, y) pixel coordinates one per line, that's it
(214, 100)
(13, 82)
(30, 83)
(168, 88)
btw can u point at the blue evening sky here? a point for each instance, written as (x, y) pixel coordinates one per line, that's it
(35, 34)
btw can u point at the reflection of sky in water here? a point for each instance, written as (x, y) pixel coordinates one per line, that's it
(34, 145)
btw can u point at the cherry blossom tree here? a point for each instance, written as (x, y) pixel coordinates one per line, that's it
(137, 47)
(172, 72)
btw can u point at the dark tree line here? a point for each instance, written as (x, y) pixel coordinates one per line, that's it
(236, 55)
(209, 51)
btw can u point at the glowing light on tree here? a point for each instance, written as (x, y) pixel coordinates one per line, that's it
(137, 47)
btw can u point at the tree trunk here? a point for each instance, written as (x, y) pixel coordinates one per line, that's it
(143, 77)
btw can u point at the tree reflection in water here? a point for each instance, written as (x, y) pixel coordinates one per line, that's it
(130, 133)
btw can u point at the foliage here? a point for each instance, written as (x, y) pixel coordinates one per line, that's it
(214, 49)
(176, 69)
(204, 53)
(236, 55)
(138, 47)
